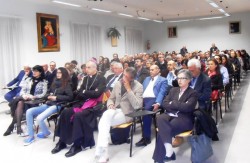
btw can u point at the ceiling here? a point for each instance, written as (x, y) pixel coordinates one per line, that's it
(157, 9)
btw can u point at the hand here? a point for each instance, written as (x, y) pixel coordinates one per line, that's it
(127, 85)
(52, 98)
(25, 97)
(156, 107)
(111, 106)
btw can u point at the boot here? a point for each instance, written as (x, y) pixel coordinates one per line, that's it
(9, 130)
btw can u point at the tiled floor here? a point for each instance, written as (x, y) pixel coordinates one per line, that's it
(233, 146)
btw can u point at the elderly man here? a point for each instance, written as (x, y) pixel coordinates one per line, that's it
(154, 90)
(112, 79)
(172, 73)
(125, 98)
(179, 59)
(111, 70)
(53, 70)
(47, 74)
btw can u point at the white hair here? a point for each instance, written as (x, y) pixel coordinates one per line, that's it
(118, 64)
(195, 62)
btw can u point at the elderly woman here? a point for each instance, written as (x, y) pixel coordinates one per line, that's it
(33, 88)
(179, 105)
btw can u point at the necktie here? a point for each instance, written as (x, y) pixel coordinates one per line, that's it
(193, 82)
(152, 79)
(111, 81)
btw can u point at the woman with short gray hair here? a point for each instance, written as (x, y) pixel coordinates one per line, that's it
(179, 105)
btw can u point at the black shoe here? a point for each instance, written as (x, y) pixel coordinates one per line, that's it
(143, 142)
(167, 159)
(73, 150)
(59, 146)
(9, 130)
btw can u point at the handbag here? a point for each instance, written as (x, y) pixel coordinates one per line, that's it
(215, 95)
(201, 148)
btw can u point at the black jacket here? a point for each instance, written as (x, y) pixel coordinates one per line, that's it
(205, 124)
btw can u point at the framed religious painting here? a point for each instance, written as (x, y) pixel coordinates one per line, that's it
(48, 32)
(234, 27)
(172, 32)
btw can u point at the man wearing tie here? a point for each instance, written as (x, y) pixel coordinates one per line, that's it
(113, 78)
(154, 90)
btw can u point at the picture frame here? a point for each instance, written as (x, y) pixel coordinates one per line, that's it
(48, 32)
(172, 32)
(234, 27)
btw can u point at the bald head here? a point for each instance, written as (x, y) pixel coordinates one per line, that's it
(91, 68)
(154, 70)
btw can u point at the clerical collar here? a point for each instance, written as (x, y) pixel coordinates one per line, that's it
(92, 75)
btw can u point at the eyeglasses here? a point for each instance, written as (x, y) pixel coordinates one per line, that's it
(181, 78)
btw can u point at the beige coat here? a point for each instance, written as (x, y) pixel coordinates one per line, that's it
(129, 101)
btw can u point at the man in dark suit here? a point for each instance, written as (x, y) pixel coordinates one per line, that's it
(200, 82)
(16, 82)
(141, 72)
(179, 105)
(154, 90)
(162, 64)
(113, 78)
(47, 75)
(213, 49)
(183, 51)
(53, 70)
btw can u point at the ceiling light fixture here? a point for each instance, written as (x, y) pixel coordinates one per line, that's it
(125, 15)
(211, 18)
(158, 21)
(221, 10)
(176, 21)
(101, 10)
(65, 3)
(214, 4)
(226, 14)
(142, 18)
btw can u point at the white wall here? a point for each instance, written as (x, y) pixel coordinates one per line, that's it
(198, 35)
(27, 12)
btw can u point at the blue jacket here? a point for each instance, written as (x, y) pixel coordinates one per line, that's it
(160, 88)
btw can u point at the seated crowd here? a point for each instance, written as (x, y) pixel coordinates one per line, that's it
(176, 84)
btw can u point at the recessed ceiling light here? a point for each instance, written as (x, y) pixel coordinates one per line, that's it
(125, 15)
(143, 18)
(214, 4)
(211, 18)
(101, 10)
(158, 21)
(65, 3)
(175, 21)
(226, 14)
(221, 10)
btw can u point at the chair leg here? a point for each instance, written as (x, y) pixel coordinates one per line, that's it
(216, 109)
(155, 125)
(132, 134)
(225, 101)
(220, 108)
